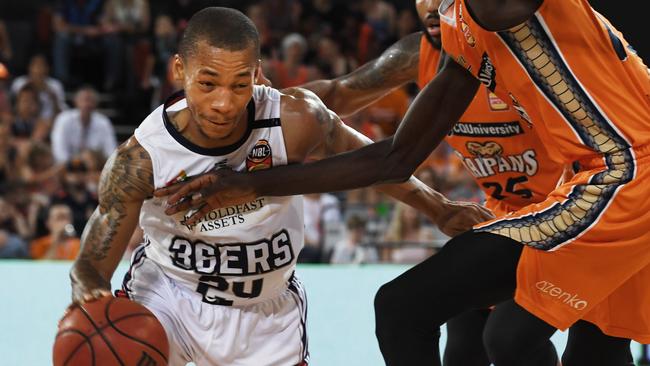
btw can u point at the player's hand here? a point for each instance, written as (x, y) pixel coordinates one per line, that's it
(87, 284)
(206, 192)
(458, 217)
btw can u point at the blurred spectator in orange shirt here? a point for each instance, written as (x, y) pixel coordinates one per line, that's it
(290, 70)
(62, 242)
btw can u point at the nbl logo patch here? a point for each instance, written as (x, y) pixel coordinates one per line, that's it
(260, 156)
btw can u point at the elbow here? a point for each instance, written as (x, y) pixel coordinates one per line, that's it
(396, 169)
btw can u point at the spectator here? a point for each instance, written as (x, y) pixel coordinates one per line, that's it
(27, 125)
(382, 18)
(22, 208)
(82, 128)
(406, 229)
(331, 60)
(12, 246)
(290, 71)
(165, 43)
(407, 23)
(349, 250)
(11, 219)
(321, 209)
(124, 22)
(75, 194)
(62, 241)
(35, 167)
(7, 155)
(76, 25)
(94, 161)
(50, 91)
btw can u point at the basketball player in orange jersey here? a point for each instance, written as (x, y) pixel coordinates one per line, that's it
(501, 151)
(224, 288)
(582, 253)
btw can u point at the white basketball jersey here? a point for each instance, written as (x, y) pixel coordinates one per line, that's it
(236, 255)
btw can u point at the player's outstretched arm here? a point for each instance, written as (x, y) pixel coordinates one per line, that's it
(393, 160)
(350, 93)
(126, 181)
(312, 121)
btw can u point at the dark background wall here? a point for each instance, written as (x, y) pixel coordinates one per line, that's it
(628, 17)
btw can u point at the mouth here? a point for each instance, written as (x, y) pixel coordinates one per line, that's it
(215, 122)
(432, 24)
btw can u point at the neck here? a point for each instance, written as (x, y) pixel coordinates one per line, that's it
(85, 117)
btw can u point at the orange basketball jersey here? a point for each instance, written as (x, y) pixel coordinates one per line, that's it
(571, 88)
(501, 151)
(572, 76)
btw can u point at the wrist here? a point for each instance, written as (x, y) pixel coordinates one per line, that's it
(247, 183)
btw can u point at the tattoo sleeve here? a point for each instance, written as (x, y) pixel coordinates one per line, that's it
(126, 181)
(396, 66)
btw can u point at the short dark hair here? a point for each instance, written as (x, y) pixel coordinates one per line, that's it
(224, 28)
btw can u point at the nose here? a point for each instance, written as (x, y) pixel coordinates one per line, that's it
(222, 101)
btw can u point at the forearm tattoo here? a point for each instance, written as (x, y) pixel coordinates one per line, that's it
(127, 177)
(396, 65)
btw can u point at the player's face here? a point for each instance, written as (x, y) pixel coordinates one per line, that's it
(428, 14)
(218, 85)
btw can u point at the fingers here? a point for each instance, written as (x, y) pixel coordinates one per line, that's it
(185, 204)
(91, 295)
(486, 212)
(202, 211)
(193, 186)
(166, 191)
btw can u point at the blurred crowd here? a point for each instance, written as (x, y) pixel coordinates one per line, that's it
(77, 76)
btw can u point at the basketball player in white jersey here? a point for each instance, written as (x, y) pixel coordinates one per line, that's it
(223, 287)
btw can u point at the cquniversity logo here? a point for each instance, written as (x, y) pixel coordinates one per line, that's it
(567, 298)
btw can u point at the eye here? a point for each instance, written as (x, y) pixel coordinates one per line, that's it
(206, 83)
(242, 85)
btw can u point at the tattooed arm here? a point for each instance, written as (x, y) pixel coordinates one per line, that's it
(126, 181)
(349, 93)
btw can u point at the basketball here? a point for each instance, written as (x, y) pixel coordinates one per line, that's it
(110, 331)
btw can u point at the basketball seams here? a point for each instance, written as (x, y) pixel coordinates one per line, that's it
(99, 331)
(114, 323)
(89, 336)
(86, 341)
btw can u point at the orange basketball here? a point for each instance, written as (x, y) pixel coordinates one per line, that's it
(110, 331)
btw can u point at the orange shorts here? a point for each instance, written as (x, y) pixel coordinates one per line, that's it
(587, 249)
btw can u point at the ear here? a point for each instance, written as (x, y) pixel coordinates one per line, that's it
(178, 69)
(260, 78)
(258, 70)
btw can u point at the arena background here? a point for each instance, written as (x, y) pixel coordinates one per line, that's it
(46, 195)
